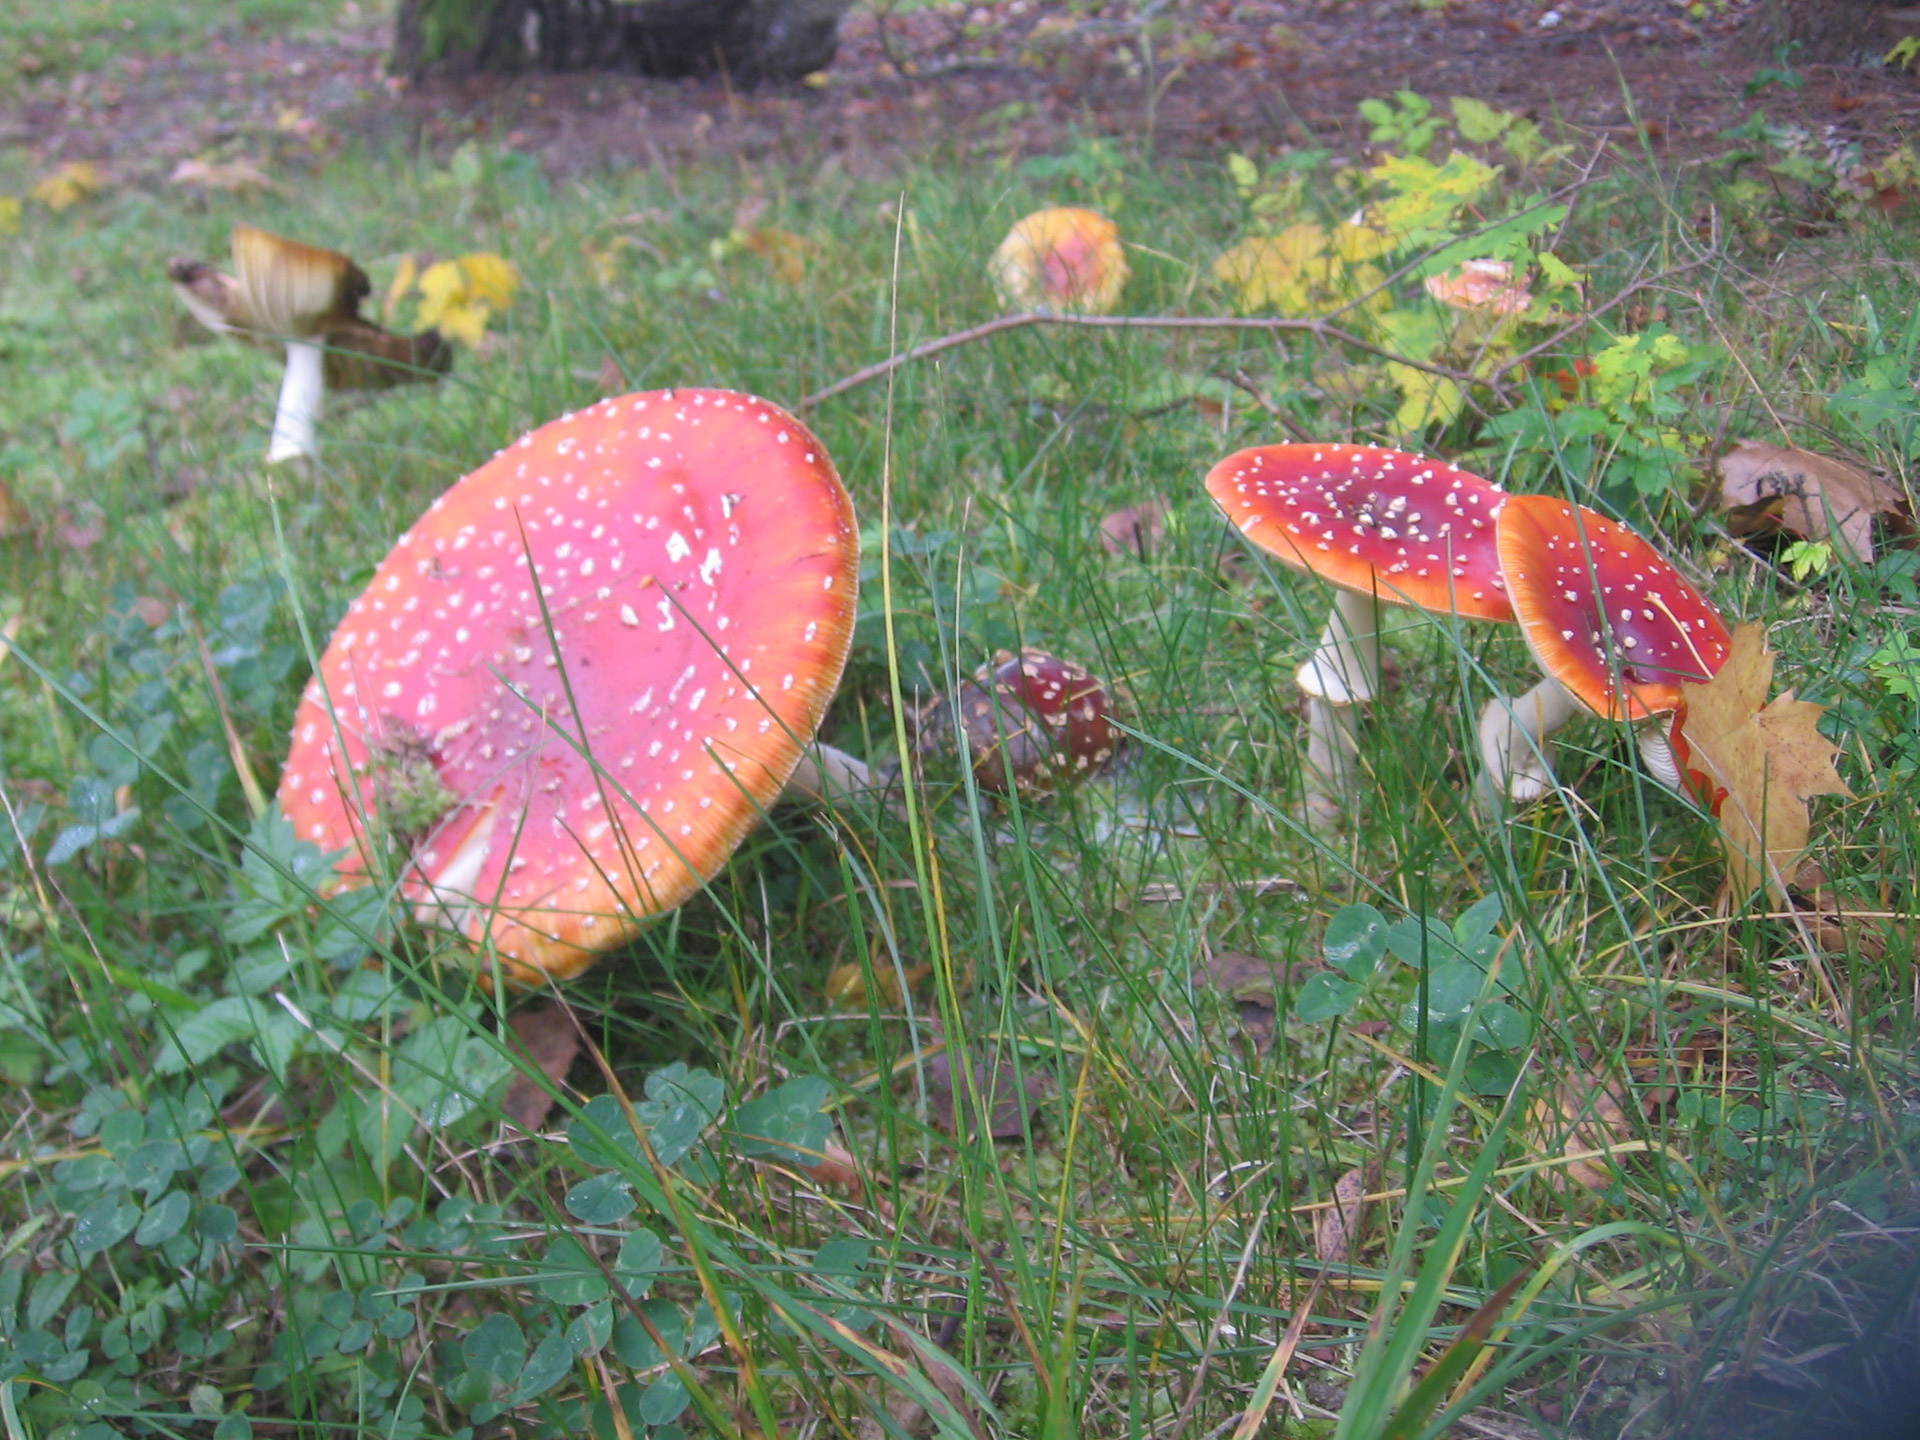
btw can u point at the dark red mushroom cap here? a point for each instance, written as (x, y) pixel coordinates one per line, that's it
(1596, 600)
(696, 564)
(1031, 719)
(1408, 529)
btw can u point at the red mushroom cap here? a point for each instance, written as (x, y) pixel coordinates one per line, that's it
(697, 566)
(1594, 599)
(1031, 718)
(1408, 529)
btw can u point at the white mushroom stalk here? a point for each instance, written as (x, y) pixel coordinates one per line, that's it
(826, 776)
(302, 389)
(1344, 668)
(1516, 740)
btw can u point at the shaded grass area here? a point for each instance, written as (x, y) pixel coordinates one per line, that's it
(359, 1240)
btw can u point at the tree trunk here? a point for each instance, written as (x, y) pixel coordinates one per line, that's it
(748, 39)
(1826, 32)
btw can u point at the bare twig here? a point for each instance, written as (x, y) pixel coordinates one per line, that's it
(1261, 323)
(1242, 381)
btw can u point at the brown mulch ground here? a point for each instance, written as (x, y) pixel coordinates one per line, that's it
(1016, 75)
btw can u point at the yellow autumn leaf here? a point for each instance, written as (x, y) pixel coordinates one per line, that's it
(1276, 272)
(459, 297)
(67, 186)
(1424, 397)
(490, 279)
(1355, 241)
(404, 277)
(9, 214)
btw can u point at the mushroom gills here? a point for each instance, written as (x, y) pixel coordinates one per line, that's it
(449, 900)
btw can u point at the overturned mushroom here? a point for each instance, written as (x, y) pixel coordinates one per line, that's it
(600, 656)
(1383, 527)
(283, 292)
(1615, 627)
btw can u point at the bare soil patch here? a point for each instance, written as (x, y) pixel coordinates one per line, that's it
(1016, 76)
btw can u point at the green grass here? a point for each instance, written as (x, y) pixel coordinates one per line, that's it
(1128, 1264)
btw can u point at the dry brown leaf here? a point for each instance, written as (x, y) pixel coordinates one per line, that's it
(1136, 530)
(1584, 1112)
(847, 986)
(834, 1170)
(1010, 1105)
(785, 252)
(1248, 981)
(547, 1036)
(1816, 497)
(235, 176)
(1337, 1232)
(1485, 285)
(1760, 764)
(1825, 916)
(81, 528)
(14, 519)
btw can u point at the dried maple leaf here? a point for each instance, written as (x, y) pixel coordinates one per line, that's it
(1760, 762)
(1816, 497)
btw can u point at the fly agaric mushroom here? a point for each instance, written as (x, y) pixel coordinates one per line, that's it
(1614, 626)
(1030, 719)
(283, 292)
(1380, 526)
(1065, 258)
(598, 657)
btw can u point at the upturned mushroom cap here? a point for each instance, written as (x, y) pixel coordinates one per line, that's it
(1404, 528)
(291, 290)
(1066, 258)
(597, 657)
(1596, 600)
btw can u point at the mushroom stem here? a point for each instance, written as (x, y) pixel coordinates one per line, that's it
(1345, 667)
(827, 776)
(1333, 747)
(1516, 740)
(301, 390)
(1657, 753)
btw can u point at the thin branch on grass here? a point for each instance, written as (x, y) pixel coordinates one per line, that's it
(1261, 323)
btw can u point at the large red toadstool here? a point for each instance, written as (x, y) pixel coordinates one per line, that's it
(589, 668)
(1615, 627)
(1382, 527)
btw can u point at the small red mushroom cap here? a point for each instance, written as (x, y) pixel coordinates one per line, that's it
(601, 652)
(1405, 528)
(1596, 600)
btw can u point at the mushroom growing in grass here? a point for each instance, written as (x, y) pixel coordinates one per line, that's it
(1030, 720)
(308, 299)
(1615, 627)
(591, 667)
(1382, 527)
(1066, 259)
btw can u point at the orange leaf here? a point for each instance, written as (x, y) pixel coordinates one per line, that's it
(1763, 762)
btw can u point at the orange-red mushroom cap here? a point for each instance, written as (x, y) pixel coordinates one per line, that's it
(1408, 529)
(605, 741)
(1596, 601)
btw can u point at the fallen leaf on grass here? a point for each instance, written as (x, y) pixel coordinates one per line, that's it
(1136, 530)
(68, 186)
(1583, 1112)
(1337, 1232)
(784, 252)
(234, 176)
(847, 986)
(1767, 488)
(1010, 1104)
(1757, 763)
(1825, 916)
(547, 1036)
(1248, 981)
(14, 519)
(9, 214)
(80, 529)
